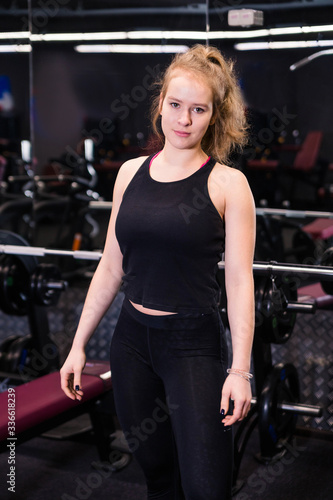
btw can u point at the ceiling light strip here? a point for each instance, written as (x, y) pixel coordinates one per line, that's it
(14, 35)
(292, 44)
(131, 49)
(15, 48)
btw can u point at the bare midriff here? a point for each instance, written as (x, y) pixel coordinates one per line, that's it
(152, 312)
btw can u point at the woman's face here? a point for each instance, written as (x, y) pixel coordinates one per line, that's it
(186, 110)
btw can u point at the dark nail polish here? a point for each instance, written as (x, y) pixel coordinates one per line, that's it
(222, 412)
(227, 428)
(77, 387)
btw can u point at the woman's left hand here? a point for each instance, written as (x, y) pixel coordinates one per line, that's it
(239, 390)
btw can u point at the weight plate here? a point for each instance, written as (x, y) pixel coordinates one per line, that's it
(4, 347)
(274, 322)
(14, 286)
(277, 426)
(303, 246)
(18, 354)
(15, 271)
(9, 238)
(44, 278)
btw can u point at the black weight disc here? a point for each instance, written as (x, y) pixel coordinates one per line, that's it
(274, 322)
(15, 271)
(4, 347)
(18, 354)
(327, 260)
(14, 286)
(10, 238)
(260, 287)
(277, 426)
(303, 246)
(43, 275)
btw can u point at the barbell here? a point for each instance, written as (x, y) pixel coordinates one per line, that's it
(294, 214)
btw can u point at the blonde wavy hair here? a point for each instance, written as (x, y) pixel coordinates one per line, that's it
(228, 129)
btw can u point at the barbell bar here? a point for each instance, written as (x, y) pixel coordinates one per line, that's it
(42, 252)
(296, 214)
(324, 273)
(293, 214)
(299, 408)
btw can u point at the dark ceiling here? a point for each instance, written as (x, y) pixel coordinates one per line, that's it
(51, 16)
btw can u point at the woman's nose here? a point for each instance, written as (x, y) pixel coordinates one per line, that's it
(185, 117)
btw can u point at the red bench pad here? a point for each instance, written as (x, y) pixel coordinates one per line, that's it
(42, 398)
(320, 229)
(315, 291)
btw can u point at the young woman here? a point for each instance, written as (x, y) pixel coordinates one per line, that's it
(174, 214)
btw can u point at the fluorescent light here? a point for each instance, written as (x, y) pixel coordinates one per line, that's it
(14, 35)
(167, 35)
(15, 48)
(317, 29)
(283, 45)
(131, 49)
(78, 37)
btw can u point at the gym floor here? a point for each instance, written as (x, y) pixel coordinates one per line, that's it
(64, 470)
(62, 464)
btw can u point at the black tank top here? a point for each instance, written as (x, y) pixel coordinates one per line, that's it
(172, 238)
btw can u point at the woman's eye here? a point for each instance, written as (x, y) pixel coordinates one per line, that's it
(174, 104)
(198, 110)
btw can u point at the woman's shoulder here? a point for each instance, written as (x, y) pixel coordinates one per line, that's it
(131, 166)
(128, 169)
(227, 176)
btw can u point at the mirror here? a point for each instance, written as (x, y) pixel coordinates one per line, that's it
(16, 168)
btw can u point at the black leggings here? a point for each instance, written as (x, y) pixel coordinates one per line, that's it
(167, 375)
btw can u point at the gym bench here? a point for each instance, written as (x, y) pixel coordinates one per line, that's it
(315, 292)
(41, 405)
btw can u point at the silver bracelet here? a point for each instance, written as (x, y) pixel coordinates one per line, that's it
(240, 373)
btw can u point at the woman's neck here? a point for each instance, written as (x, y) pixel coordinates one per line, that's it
(182, 158)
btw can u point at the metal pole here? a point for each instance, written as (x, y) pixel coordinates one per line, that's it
(324, 273)
(297, 214)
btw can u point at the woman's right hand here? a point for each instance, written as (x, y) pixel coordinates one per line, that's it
(70, 374)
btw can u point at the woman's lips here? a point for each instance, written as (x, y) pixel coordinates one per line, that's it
(180, 133)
